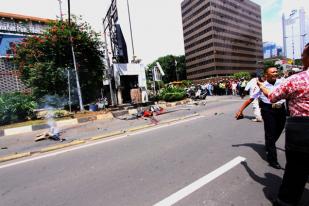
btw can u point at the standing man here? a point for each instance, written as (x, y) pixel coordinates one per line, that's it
(273, 114)
(295, 89)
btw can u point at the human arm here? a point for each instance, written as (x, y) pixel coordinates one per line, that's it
(243, 107)
(283, 91)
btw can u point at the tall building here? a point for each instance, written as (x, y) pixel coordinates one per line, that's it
(295, 28)
(13, 28)
(271, 50)
(221, 37)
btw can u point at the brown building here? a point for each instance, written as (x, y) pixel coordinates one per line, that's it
(221, 37)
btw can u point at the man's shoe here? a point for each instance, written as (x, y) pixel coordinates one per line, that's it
(256, 120)
(275, 165)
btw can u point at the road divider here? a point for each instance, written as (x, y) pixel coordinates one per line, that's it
(99, 137)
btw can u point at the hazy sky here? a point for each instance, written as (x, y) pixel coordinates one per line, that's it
(157, 26)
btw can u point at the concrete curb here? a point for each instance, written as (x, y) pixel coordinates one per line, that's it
(15, 156)
(69, 122)
(78, 142)
(61, 146)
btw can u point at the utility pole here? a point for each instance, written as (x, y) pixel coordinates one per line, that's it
(79, 92)
(60, 8)
(108, 67)
(131, 30)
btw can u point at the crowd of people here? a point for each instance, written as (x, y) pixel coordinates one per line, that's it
(283, 102)
(225, 86)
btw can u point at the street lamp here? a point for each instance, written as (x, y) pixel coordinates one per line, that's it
(79, 92)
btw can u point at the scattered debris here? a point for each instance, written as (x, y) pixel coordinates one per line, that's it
(52, 134)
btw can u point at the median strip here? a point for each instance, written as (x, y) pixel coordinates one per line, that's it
(78, 142)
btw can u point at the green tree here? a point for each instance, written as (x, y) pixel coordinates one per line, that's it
(240, 75)
(169, 67)
(43, 60)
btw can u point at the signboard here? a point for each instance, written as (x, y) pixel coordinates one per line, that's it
(21, 27)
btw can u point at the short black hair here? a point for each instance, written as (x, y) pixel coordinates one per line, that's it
(267, 68)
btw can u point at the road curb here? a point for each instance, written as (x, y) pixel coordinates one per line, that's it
(15, 156)
(61, 146)
(106, 135)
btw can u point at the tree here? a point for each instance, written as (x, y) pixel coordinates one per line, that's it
(169, 66)
(240, 75)
(43, 60)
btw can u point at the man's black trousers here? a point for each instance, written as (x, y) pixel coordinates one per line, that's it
(274, 122)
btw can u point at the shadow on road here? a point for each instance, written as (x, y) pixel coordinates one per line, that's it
(271, 183)
(258, 148)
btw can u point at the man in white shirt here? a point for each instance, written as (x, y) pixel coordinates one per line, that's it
(273, 115)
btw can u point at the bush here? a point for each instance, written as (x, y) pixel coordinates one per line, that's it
(171, 94)
(16, 107)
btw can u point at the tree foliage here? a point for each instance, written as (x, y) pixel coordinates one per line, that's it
(240, 75)
(43, 60)
(16, 107)
(169, 66)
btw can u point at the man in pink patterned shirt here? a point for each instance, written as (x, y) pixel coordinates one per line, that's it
(295, 90)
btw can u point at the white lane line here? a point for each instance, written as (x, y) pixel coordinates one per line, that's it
(172, 199)
(96, 143)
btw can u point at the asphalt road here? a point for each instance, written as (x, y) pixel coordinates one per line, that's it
(149, 166)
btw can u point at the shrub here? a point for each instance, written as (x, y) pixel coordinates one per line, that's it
(15, 107)
(171, 94)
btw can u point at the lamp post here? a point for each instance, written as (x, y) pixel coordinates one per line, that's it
(131, 30)
(79, 92)
(60, 8)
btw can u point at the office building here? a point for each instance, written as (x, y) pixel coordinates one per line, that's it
(295, 33)
(221, 37)
(271, 50)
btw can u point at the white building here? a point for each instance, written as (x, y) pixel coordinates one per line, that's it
(295, 33)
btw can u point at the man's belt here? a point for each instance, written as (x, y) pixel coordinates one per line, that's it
(271, 106)
(276, 106)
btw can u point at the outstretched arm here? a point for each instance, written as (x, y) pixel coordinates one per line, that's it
(243, 107)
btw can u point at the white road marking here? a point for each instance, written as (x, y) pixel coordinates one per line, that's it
(172, 199)
(96, 143)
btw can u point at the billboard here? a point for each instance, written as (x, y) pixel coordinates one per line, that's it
(8, 43)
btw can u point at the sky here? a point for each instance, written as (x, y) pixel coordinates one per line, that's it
(156, 24)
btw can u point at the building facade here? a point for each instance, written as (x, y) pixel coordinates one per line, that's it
(221, 37)
(271, 50)
(13, 29)
(295, 33)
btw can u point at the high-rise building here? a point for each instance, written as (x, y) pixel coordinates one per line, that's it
(271, 50)
(14, 28)
(295, 33)
(221, 37)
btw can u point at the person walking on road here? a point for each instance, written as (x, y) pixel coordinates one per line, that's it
(295, 89)
(273, 115)
(253, 88)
